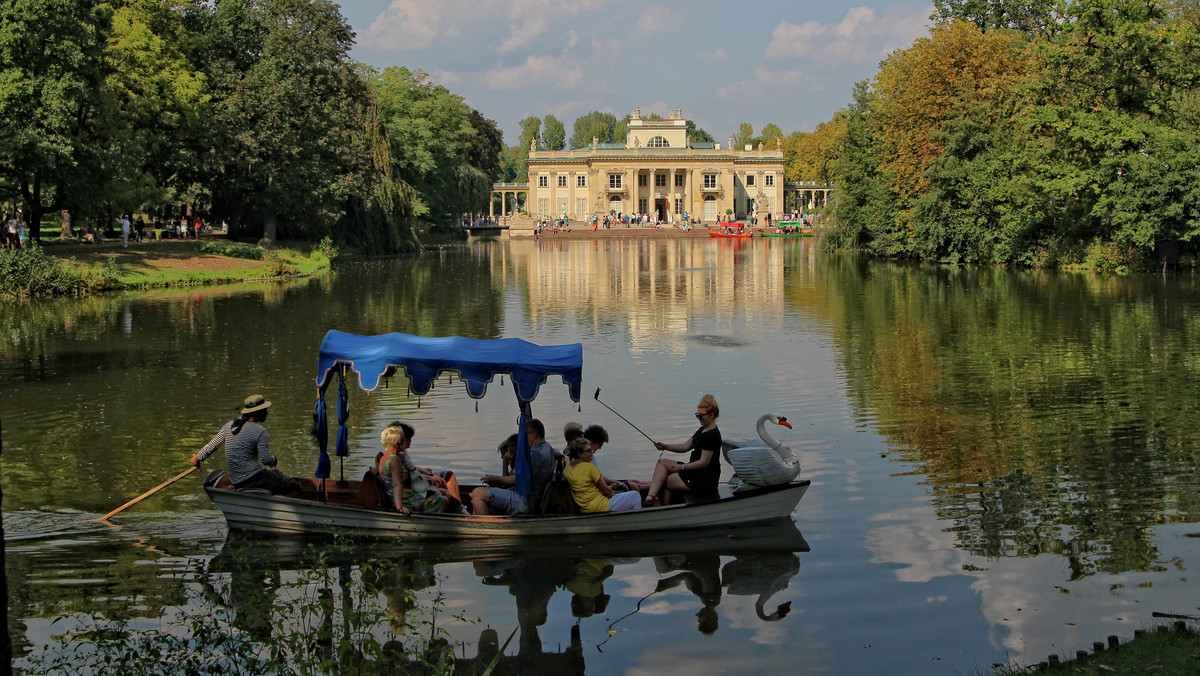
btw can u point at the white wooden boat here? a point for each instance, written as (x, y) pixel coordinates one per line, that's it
(327, 506)
(341, 513)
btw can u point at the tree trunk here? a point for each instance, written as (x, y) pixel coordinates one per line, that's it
(64, 220)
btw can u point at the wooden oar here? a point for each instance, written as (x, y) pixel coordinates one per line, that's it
(148, 493)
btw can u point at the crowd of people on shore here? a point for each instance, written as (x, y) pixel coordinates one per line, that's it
(410, 488)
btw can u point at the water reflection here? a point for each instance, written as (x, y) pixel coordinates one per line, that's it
(757, 561)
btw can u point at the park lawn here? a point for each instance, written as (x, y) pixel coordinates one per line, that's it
(142, 266)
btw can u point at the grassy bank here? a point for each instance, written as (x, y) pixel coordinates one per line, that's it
(1167, 650)
(73, 269)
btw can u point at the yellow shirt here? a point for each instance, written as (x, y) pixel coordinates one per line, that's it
(582, 478)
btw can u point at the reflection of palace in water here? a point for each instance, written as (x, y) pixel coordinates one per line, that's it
(654, 285)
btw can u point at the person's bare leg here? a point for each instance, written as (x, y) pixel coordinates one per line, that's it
(479, 498)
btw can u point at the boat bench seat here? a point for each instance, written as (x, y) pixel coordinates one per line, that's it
(253, 491)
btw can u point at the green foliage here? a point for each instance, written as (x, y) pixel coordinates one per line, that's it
(327, 249)
(235, 249)
(52, 100)
(595, 124)
(434, 138)
(697, 134)
(744, 136)
(253, 621)
(29, 272)
(554, 134)
(1064, 145)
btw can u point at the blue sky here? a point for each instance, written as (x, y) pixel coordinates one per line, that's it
(789, 62)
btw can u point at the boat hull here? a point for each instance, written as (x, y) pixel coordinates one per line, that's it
(257, 512)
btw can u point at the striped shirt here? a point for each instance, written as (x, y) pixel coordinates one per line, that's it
(246, 452)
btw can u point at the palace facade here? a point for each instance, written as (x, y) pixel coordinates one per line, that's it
(657, 171)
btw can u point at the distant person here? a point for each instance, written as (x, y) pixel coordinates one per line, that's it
(571, 432)
(508, 453)
(248, 452)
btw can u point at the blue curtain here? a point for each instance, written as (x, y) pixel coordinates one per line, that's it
(321, 430)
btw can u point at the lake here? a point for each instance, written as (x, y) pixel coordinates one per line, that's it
(1003, 461)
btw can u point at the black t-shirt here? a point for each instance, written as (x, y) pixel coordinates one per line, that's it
(703, 482)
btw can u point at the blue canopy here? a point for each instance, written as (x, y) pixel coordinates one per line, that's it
(475, 361)
(422, 359)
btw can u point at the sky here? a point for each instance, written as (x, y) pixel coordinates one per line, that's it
(790, 62)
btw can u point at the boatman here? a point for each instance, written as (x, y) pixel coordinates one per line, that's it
(500, 494)
(251, 464)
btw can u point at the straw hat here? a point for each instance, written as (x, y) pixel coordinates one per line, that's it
(255, 402)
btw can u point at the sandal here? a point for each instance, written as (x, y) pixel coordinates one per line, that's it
(652, 501)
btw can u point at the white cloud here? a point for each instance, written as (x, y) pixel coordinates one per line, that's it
(714, 55)
(862, 34)
(536, 71)
(765, 84)
(405, 25)
(530, 19)
(657, 20)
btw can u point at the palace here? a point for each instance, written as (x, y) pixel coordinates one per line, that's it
(657, 171)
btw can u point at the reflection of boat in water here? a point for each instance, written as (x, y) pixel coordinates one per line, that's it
(288, 551)
(750, 561)
(324, 505)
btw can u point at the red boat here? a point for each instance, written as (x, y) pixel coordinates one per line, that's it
(731, 230)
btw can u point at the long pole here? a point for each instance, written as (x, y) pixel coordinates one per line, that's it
(597, 397)
(150, 492)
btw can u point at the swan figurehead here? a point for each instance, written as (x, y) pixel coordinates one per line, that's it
(771, 463)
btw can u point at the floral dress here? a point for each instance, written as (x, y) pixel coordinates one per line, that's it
(430, 501)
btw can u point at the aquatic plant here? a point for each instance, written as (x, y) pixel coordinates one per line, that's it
(251, 617)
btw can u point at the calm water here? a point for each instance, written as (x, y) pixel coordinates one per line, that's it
(1003, 462)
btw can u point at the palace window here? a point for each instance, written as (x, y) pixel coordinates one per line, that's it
(581, 181)
(581, 208)
(679, 205)
(749, 180)
(614, 180)
(543, 181)
(660, 180)
(641, 180)
(769, 180)
(657, 142)
(562, 181)
(562, 207)
(543, 206)
(642, 205)
(678, 180)
(710, 180)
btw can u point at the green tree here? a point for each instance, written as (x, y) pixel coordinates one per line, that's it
(769, 135)
(554, 134)
(595, 125)
(158, 97)
(531, 130)
(52, 73)
(744, 136)
(698, 135)
(286, 113)
(1026, 16)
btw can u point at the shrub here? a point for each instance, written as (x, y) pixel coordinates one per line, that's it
(28, 272)
(233, 250)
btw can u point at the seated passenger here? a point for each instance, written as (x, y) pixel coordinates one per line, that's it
(500, 494)
(588, 487)
(571, 432)
(598, 436)
(508, 452)
(398, 474)
(441, 478)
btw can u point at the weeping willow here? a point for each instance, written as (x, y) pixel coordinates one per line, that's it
(384, 218)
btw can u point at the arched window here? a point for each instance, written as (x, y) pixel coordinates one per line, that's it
(658, 142)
